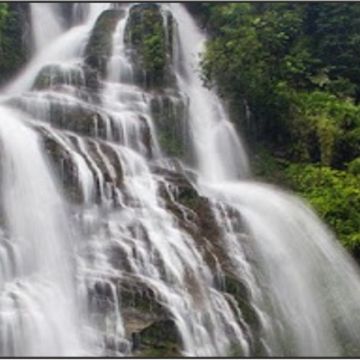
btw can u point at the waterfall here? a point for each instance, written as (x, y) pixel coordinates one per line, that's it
(37, 305)
(219, 151)
(106, 233)
(300, 268)
(63, 48)
(297, 258)
(45, 16)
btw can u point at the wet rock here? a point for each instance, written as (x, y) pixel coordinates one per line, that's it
(79, 119)
(160, 339)
(146, 137)
(241, 294)
(64, 167)
(182, 191)
(159, 331)
(147, 323)
(103, 295)
(114, 346)
(92, 81)
(194, 215)
(65, 112)
(99, 47)
(136, 320)
(63, 163)
(52, 76)
(146, 36)
(169, 113)
(105, 159)
(136, 294)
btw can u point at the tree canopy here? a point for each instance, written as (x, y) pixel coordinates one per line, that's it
(290, 75)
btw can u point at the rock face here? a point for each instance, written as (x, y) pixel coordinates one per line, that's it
(67, 171)
(159, 339)
(99, 46)
(146, 35)
(169, 111)
(149, 38)
(55, 76)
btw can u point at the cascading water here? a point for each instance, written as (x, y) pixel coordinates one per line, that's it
(45, 16)
(296, 257)
(296, 267)
(37, 305)
(219, 151)
(104, 237)
(65, 49)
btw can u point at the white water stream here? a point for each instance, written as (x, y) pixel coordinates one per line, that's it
(38, 316)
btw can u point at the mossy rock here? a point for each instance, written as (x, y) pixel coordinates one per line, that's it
(68, 173)
(185, 193)
(194, 215)
(99, 47)
(147, 323)
(63, 114)
(79, 119)
(52, 75)
(82, 118)
(240, 292)
(113, 179)
(151, 53)
(56, 75)
(136, 294)
(160, 339)
(169, 113)
(64, 167)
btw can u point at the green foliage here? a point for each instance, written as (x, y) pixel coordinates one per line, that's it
(334, 30)
(154, 51)
(296, 66)
(321, 124)
(268, 168)
(12, 52)
(3, 14)
(256, 52)
(146, 33)
(334, 194)
(168, 114)
(354, 166)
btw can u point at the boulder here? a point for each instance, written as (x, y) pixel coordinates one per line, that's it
(99, 47)
(151, 54)
(55, 75)
(160, 339)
